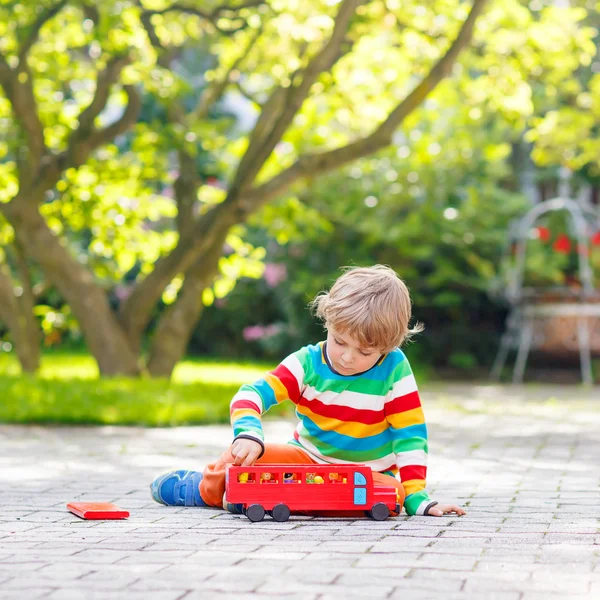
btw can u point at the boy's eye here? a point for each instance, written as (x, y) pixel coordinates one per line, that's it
(338, 342)
(365, 353)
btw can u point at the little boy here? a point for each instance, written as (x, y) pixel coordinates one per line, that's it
(355, 395)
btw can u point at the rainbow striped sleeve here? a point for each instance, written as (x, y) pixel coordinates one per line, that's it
(406, 420)
(252, 400)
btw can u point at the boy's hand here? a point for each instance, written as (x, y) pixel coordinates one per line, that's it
(245, 452)
(443, 509)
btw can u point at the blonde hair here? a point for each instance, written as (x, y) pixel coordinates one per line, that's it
(372, 304)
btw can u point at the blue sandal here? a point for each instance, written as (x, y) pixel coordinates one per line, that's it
(178, 488)
(235, 509)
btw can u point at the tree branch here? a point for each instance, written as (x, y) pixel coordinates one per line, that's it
(226, 8)
(213, 92)
(315, 164)
(146, 19)
(210, 229)
(129, 117)
(18, 88)
(223, 11)
(186, 192)
(106, 79)
(9, 309)
(244, 92)
(176, 324)
(17, 313)
(81, 147)
(31, 39)
(215, 13)
(290, 101)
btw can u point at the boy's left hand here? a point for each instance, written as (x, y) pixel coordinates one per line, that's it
(443, 509)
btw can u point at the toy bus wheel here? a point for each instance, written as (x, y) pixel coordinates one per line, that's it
(255, 512)
(280, 513)
(379, 512)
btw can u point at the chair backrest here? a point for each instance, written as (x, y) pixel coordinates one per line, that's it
(577, 213)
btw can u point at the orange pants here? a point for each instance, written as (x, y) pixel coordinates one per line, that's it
(212, 486)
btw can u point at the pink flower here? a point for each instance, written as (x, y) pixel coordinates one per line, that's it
(253, 333)
(274, 274)
(257, 332)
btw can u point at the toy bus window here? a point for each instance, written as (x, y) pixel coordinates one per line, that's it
(246, 478)
(338, 478)
(316, 478)
(268, 478)
(290, 477)
(360, 479)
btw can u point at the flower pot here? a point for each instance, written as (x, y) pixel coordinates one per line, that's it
(556, 334)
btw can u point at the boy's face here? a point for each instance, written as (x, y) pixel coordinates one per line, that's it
(347, 355)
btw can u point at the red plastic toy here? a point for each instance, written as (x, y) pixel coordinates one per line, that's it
(278, 489)
(97, 510)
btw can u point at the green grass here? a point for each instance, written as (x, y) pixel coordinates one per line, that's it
(67, 390)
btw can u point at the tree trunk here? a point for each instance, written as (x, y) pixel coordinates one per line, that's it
(17, 313)
(178, 322)
(209, 232)
(102, 332)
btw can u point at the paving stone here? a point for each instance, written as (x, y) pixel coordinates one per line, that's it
(428, 586)
(527, 475)
(33, 593)
(79, 593)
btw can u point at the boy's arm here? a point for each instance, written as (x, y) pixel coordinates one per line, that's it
(405, 417)
(252, 400)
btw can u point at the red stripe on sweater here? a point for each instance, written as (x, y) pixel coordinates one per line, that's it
(244, 404)
(289, 381)
(403, 403)
(343, 413)
(413, 472)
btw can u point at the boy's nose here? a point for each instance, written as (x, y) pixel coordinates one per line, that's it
(347, 357)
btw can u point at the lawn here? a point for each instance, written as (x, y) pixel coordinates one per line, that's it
(68, 390)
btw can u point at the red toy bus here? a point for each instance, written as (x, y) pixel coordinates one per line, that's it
(278, 489)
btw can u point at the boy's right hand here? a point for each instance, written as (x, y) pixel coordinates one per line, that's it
(245, 452)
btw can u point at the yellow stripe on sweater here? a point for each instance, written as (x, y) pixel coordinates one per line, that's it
(278, 388)
(407, 418)
(413, 485)
(243, 412)
(349, 428)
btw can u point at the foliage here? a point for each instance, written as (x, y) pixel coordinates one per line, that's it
(564, 129)
(427, 207)
(437, 208)
(553, 252)
(445, 245)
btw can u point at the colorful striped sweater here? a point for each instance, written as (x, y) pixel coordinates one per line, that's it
(374, 418)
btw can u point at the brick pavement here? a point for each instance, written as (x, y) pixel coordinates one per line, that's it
(524, 461)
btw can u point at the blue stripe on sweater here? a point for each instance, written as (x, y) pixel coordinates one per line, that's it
(411, 431)
(346, 442)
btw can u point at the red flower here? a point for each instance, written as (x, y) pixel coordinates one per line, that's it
(562, 244)
(596, 239)
(543, 233)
